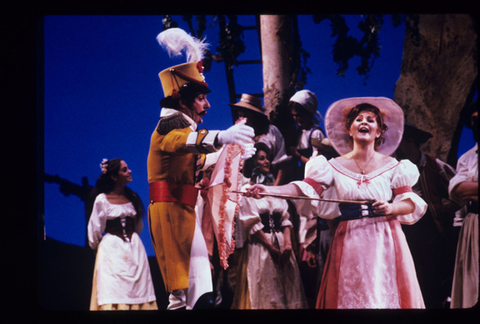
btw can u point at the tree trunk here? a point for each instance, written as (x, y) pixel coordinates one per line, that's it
(439, 69)
(277, 46)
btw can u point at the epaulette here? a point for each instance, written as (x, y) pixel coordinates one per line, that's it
(169, 123)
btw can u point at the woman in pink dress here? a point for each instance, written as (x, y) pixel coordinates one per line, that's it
(369, 263)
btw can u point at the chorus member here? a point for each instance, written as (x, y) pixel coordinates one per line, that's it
(122, 278)
(463, 188)
(431, 239)
(268, 276)
(303, 106)
(250, 108)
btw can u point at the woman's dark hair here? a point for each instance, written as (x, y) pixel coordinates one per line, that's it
(105, 184)
(353, 113)
(249, 164)
(300, 109)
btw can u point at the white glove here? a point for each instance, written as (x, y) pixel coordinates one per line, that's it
(250, 150)
(240, 134)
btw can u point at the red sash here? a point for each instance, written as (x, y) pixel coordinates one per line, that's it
(162, 191)
(402, 190)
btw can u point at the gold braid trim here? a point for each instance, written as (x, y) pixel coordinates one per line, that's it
(169, 123)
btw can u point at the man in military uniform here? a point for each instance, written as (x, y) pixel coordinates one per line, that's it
(177, 151)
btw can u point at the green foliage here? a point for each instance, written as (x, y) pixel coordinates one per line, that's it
(367, 48)
(231, 43)
(345, 47)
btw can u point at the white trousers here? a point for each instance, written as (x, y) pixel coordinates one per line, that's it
(200, 275)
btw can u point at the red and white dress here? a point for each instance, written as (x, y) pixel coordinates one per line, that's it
(369, 263)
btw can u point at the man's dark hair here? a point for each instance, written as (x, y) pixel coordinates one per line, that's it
(188, 92)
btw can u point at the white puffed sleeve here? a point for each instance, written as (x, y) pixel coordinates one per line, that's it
(467, 170)
(405, 176)
(97, 222)
(320, 171)
(280, 206)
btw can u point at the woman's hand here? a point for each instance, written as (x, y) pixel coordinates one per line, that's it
(255, 191)
(287, 245)
(286, 253)
(260, 237)
(382, 208)
(275, 253)
(402, 207)
(311, 259)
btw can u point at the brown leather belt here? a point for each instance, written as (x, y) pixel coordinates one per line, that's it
(163, 191)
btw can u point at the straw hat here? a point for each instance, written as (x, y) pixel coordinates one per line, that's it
(249, 102)
(307, 100)
(338, 134)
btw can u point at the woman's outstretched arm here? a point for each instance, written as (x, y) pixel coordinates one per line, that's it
(288, 189)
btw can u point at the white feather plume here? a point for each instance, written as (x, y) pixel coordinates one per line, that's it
(174, 40)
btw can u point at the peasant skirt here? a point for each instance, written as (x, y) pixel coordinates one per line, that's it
(152, 305)
(465, 277)
(118, 282)
(263, 283)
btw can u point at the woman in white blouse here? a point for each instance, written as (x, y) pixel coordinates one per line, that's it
(369, 263)
(268, 276)
(122, 278)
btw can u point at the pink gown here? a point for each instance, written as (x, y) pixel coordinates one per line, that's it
(369, 263)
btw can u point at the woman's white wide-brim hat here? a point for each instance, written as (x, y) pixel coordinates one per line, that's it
(338, 134)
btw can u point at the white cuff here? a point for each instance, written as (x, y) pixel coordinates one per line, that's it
(198, 145)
